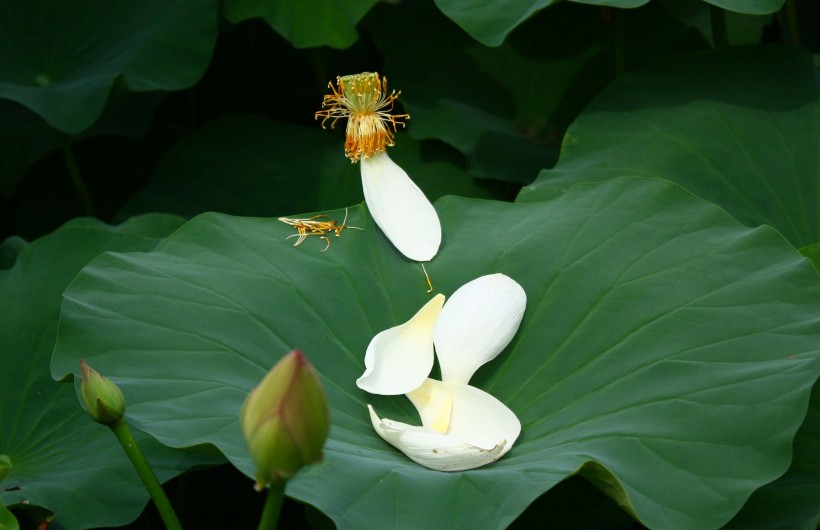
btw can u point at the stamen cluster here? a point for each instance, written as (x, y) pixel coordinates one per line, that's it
(363, 99)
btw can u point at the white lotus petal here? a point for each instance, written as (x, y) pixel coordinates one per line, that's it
(400, 208)
(438, 451)
(470, 410)
(399, 359)
(476, 324)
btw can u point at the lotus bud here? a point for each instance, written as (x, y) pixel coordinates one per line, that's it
(285, 420)
(102, 399)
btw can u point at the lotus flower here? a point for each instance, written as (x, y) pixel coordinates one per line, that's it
(463, 427)
(398, 206)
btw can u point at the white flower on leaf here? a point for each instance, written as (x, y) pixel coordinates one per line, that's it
(398, 206)
(463, 427)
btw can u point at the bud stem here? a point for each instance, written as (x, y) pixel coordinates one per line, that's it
(7, 519)
(273, 505)
(123, 434)
(720, 36)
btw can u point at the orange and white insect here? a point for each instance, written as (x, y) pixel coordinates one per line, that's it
(316, 226)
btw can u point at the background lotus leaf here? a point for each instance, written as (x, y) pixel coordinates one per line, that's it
(739, 127)
(740, 28)
(25, 137)
(305, 23)
(470, 108)
(491, 22)
(664, 347)
(61, 59)
(9, 249)
(751, 7)
(250, 165)
(61, 460)
(504, 108)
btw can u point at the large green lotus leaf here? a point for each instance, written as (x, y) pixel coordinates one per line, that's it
(739, 127)
(490, 22)
(305, 23)
(61, 58)
(60, 459)
(505, 108)
(251, 165)
(667, 352)
(793, 500)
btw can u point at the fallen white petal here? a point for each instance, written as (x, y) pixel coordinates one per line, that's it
(476, 324)
(399, 359)
(438, 451)
(400, 208)
(471, 411)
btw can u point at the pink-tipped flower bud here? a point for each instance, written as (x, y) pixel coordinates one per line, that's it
(285, 420)
(102, 399)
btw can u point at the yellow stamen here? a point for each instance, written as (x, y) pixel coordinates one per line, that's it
(427, 276)
(364, 101)
(312, 227)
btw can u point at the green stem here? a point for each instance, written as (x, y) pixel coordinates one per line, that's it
(76, 177)
(273, 505)
(620, 42)
(123, 434)
(791, 22)
(720, 37)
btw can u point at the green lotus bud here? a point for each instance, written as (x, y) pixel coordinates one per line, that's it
(5, 466)
(285, 420)
(102, 399)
